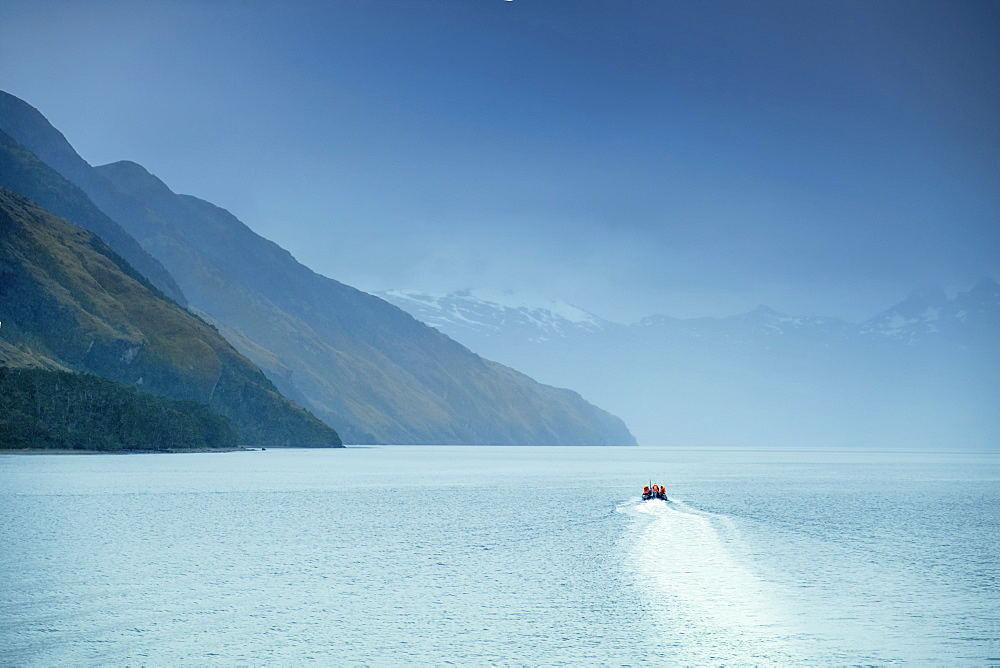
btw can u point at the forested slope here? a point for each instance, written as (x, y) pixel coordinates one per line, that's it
(40, 408)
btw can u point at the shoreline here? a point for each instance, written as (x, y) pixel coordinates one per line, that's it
(63, 451)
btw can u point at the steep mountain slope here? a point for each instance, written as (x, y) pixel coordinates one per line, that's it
(25, 128)
(924, 372)
(362, 365)
(354, 359)
(69, 302)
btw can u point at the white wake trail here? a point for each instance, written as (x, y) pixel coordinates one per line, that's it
(707, 606)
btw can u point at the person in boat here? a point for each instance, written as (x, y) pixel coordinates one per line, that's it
(646, 494)
(662, 493)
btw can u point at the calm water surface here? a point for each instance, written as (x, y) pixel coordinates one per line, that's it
(482, 555)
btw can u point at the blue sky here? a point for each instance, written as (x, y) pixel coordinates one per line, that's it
(629, 156)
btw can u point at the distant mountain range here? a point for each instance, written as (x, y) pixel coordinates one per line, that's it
(926, 317)
(358, 363)
(929, 317)
(925, 371)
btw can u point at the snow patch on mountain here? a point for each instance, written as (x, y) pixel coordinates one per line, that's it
(493, 311)
(926, 317)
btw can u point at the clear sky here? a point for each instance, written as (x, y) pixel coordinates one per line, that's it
(629, 156)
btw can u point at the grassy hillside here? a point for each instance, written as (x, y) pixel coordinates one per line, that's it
(67, 300)
(26, 134)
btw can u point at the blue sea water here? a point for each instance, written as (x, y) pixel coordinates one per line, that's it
(501, 556)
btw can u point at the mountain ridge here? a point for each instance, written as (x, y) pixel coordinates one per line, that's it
(28, 127)
(475, 310)
(377, 347)
(352, 359)
(363, 371)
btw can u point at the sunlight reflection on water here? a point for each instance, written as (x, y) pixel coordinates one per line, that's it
(713, 608)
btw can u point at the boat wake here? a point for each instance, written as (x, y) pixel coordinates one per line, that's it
(703, 600)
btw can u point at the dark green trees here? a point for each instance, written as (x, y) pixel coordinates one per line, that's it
(57, 409)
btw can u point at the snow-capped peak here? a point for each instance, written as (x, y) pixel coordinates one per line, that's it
(929, 313)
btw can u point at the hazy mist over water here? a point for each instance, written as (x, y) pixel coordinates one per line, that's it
(691, 158)
(924, 374)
